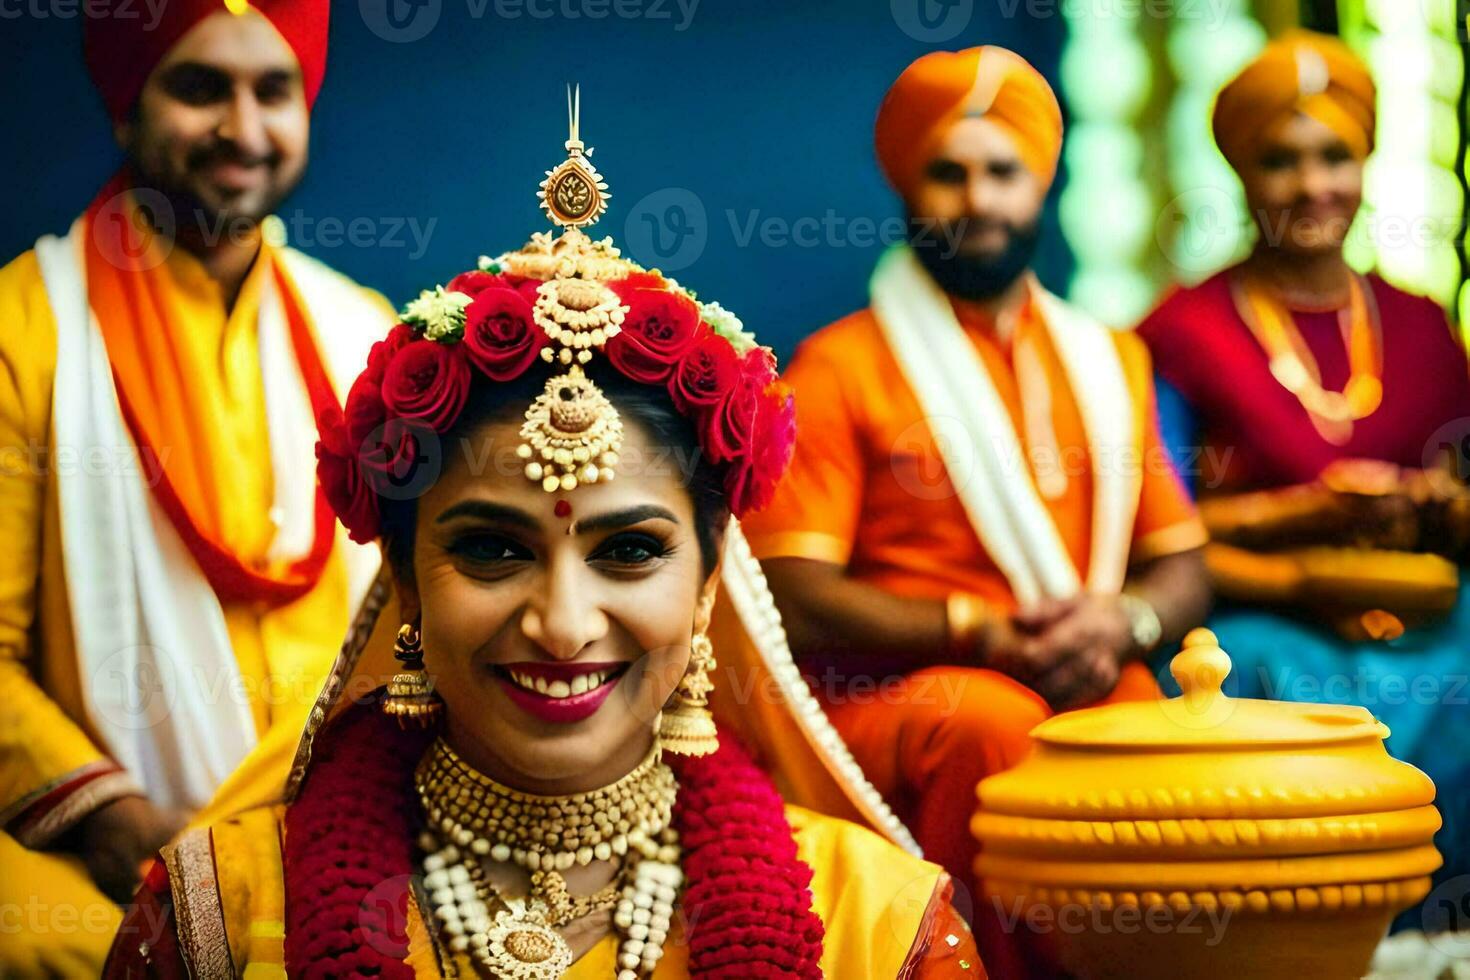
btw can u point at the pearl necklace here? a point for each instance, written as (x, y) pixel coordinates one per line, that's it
(520, 942)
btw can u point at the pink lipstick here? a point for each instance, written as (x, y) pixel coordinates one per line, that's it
(559, 693)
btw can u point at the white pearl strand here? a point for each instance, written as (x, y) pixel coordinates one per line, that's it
(644, 915)
(463, 914)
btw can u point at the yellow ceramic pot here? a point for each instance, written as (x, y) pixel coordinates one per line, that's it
(1207, 836)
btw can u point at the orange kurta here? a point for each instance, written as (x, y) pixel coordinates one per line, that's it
(868, 490)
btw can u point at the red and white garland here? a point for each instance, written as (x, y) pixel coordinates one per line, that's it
(349, 855)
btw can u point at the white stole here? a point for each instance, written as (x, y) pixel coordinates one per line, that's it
(159, 677)
(977, 441)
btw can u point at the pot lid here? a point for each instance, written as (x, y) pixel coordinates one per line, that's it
(1205, 717)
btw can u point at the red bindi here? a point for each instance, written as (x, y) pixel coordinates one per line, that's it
(563, 509)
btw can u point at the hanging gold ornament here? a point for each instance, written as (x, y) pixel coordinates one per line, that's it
(411, 698)
(574, 193)
(687, 727)
(572, 434)
(522, 945)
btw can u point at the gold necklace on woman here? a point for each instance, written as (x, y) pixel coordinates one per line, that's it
(1293, 366)
(471, 816)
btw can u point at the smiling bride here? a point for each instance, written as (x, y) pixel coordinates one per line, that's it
(539, 789)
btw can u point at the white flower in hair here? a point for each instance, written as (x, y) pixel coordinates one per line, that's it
(727, 325)
(439, 312)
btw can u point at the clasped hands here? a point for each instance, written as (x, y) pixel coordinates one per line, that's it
(1070, 651)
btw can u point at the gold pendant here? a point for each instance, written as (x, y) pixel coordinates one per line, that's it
(1337, 433)
(572, 434)
(522, 946)
(574, 194)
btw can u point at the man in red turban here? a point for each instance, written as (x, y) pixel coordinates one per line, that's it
(966, 513)
(174, 587)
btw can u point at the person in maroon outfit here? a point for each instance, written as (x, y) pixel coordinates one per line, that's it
(1333, 414)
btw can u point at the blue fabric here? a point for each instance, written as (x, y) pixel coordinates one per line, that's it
(1417, 685)
(1178, 430)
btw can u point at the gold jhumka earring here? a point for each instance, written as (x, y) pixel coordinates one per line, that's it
(687, 727)
(411, 698)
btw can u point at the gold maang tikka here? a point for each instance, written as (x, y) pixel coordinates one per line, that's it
(572, 434)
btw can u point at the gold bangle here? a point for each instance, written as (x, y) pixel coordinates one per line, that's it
(965, 618)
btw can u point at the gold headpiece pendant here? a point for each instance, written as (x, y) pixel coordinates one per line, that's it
(572, 434)
(574, 193)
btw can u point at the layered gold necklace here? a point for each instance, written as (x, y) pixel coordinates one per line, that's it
(1295, 369)
(471, 817)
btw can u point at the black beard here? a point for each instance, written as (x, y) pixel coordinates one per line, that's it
(972, 277)
(194, 220)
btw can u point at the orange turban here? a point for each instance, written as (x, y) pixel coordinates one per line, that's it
(121, 52)
(943, 86)
(1301, 71)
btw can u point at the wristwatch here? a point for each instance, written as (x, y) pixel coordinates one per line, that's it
(1143, 622)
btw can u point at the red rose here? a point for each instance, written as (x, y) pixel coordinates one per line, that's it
(381, 445)
(629, 284)
(500, 335)
(659, 329)
(739, 488)
(729, 428)
(349, 495)
(428, 382)
(751, 481)
(364, 410)
(382, 352)
(705, 375)
(475, 282)
(775, 441)
(529, 288)
(758, 367)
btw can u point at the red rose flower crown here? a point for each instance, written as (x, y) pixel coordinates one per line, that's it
(559, 300)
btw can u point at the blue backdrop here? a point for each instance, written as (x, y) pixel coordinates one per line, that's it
(736, 135)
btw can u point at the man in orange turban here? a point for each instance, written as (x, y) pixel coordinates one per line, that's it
(173, 588)
(980, 513)
(943, 87)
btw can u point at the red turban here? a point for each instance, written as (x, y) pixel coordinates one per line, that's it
(1300, 71)
(121, 52)
(943, 86)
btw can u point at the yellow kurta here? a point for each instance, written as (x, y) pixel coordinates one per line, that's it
(45, 738)
(874, 899)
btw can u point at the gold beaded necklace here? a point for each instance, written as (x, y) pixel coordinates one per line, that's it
(545, 833)
(1295, 369)
(471, 816)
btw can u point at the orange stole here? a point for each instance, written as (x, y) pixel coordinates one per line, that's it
(868, 490)
(194, 401)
